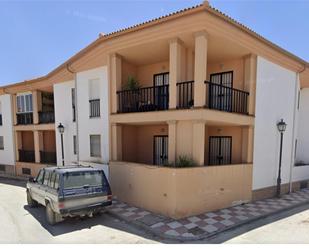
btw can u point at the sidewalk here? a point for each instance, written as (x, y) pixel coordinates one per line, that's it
(207, 224)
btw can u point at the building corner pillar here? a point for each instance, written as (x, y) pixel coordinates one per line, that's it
(36, 137)
(200, 68)
(172, 140)
(115, 79)
(198, 143)
(116, 142)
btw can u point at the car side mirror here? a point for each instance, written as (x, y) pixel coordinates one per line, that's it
(31, 179)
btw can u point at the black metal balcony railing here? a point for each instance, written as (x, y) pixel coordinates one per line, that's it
(24, 118)
(143, 99)
(48, 157)
(226, 98)
(94, 108)
(26, 156)
(185, 94)
(46, 117)
(0, 119)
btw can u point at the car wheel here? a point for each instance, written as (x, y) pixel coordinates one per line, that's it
(50, 215)
(30, 201)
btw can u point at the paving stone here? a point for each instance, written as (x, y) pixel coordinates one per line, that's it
(174, 224)
(210, 228)
(194, 219)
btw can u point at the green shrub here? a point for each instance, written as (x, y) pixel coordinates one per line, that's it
(185, 161)
(132, 84)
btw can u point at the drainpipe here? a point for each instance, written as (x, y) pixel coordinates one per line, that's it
(76, 112)
(293, 132)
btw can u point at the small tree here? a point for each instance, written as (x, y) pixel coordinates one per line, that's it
(132, 84)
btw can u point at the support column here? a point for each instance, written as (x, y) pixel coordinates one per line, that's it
(200, 69)
(18, 144)
(14, 108)
(36, 137)
(198, 144)
(247, 144)
(172, 140)
(35, 107)
(175, 70)
(190, 65)
(116, 142)
(115, 70)
(250, 62)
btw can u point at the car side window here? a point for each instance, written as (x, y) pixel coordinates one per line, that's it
(56, 186)
(40, 177)
(52, 180)
(46, 178)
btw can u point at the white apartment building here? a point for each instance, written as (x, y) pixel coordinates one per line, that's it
(81, 106)
(7, 156)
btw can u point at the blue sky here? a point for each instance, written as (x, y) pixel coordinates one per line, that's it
(37, 36)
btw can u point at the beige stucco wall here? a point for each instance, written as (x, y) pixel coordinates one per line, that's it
(234, 132)
(182, 192)
(27, 140)
(35, 168)
(49, 141)
(237, 66)
(137, 142)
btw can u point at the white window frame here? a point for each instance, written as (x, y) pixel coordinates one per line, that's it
(1, 142)
(92, 154)
(25, 100)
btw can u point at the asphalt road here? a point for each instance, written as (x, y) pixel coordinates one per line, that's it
(21, 224)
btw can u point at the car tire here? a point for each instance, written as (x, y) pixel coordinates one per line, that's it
(30, 201)
(50, 215)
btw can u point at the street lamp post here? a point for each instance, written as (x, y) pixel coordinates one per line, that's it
(61, 131)
(281, 128)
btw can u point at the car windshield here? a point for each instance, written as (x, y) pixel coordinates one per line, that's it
(82, 179)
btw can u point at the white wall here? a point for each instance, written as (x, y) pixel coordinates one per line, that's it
(275, 99)
(7, 156)
(93, 126)
(302, 135)
(64, 115)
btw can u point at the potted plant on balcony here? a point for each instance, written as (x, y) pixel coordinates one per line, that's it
(132, 101)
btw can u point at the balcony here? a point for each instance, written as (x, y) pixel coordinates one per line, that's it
(226, 99)
(94, 108)
(46, 117)
(0, 119)
(26, 156)
(218, 97)
(144, 99)
(24, 118)
(48, 157)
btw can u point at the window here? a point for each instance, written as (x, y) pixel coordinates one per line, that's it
(52, 180)
(26, 171)
(0, 114)
(46, 178)
(24, 103)
(40, 177)
(56, 185)
(94, 98)
(1, 143)
(2, 167)
(73, 103)
(74, 144)
(95, 145)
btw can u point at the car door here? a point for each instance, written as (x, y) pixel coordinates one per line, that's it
(35, 187)
(43, 188)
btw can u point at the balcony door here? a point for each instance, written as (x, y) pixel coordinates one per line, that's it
(160, 150)
(220, 150)
(160, 83)
(220, 94)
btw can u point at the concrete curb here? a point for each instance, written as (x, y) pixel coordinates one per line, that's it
(10, 177)
(204, 235)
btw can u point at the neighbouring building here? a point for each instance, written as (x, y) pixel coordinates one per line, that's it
(7, 157)
(193, 87)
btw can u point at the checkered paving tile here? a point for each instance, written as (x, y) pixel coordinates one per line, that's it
(211, 222)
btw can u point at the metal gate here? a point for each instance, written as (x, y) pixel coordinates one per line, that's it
(161, 94)
(220, 93)
(220, 150)
(160, 150)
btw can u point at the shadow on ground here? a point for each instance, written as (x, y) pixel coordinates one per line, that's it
(76, 224)
(230, 234)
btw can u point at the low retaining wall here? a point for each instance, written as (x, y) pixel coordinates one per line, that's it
(181, 192)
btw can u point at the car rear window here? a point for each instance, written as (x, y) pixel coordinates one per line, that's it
(82, 179)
